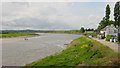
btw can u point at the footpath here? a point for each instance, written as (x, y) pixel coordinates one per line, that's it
(112, 45)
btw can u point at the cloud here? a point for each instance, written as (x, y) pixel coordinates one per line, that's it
(48, 15)
(36, 24)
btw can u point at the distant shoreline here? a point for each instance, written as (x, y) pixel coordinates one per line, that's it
(12, 35)
(17, 37)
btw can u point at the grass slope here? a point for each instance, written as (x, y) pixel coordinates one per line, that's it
(82, 50)
(16, 34)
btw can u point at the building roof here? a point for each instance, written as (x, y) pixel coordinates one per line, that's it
(104, 29)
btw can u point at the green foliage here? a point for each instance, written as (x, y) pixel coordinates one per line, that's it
(105, 21)
(16, 34)
(107, 14)
(116, 13)
(90, 34)
(111, 22)
(85, 51)
(5, 32)
(109, 37)
(102, 24)
(89, 29)
(82, 30)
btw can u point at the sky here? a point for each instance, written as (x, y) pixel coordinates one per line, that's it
(53, 15)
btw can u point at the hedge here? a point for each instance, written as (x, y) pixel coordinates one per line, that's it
(109, 37)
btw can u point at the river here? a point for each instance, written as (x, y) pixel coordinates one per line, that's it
(18, 52)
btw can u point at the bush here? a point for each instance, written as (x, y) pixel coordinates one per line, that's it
(109, 37)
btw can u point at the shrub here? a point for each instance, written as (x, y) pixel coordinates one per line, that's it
(109, 37)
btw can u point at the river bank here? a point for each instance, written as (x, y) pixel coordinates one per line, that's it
(10, 35)
(18, 37)
(81, 51)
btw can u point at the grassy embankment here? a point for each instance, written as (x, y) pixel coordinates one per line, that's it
(17, 34)
(81, 51)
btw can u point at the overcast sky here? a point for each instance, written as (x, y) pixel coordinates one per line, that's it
(53, 15)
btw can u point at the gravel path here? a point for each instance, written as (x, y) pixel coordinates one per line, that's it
(112, 45)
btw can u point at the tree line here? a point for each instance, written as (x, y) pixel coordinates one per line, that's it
(82, 30)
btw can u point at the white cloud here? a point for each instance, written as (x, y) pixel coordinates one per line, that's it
(48, 16)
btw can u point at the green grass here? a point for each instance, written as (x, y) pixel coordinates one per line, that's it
(90, 34)
(82, 50)
(16, 34)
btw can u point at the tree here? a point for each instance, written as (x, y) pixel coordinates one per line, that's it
(102, 24)
(107, 16)
(82, 30)
(111, 22)
(119, 20)
(92, 29)
(89, 29)
(85, 29)
(116, 13)
(117, 17)
(105, 21)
